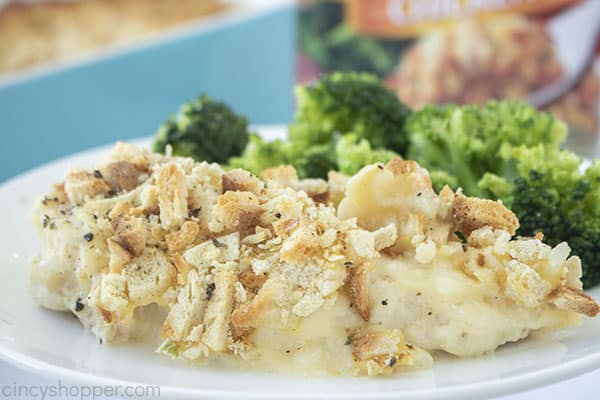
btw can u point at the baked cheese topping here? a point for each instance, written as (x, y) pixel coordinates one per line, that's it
(361, 275)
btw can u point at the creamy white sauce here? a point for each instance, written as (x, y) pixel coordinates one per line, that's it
(440, 308)
(436, 307)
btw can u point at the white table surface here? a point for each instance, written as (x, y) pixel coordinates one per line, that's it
(585, 387)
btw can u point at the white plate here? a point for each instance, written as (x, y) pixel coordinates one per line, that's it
(56, 345)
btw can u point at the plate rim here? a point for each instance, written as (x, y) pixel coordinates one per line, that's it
(492, 388)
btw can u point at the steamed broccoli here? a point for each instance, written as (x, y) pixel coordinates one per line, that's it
(260, 155)
(553, 195)
(346, 121)
(350, 102)
(204, 129)
(467, 142)
(510, 151)
(346, 154)
(353, 153)
(313, 162)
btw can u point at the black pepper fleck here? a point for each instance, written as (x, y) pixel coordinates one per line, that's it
(379, 166)
(429, 313)
(384, 302)
(278, 215)
(461, 237)
(78, 305)
(88, 237)
(217, 243)
(97, 174)
(209, 290)
(46, 221)
(348, 264)
(196, 212)
(100, 340)
(419, 194)
(349, 340)
(392, 361)
(287, 351)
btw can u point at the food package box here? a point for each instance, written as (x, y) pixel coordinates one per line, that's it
(465, 52)
(76, 74)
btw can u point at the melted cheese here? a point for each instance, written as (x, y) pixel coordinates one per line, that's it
(436, 307)
(440, 308)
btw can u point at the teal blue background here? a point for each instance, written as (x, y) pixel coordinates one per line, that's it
(250, 65)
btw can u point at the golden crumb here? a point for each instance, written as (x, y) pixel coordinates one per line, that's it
(236, 211)
(248, 315)
(81, 185)
(238, 180)
(575, 300)
(300, 247)
(359, 291)
(218, 311)
(122, 175)
(172, 195)
(470, 213)
(285, 175)
(184, 237)
(119, 256)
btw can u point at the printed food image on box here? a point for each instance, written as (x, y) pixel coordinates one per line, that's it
(464, 52)
(53, 31)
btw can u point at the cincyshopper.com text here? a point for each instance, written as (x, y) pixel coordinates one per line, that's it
(61, 390)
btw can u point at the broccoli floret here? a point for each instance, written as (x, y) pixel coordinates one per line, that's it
(510, 151)
(315, 161)
(310, 162)
(346, 154)
(204, 129)
(260, 155)
(440, 178)
(552, 195)
(349, 102)
(468, 142)
(344, 122)
(353, 153)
